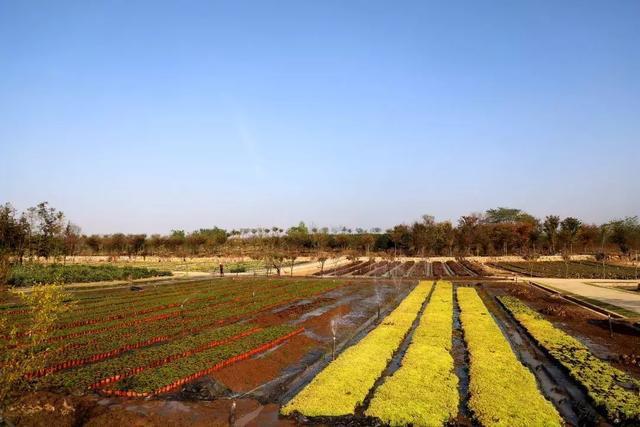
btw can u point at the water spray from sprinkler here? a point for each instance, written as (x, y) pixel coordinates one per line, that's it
(378, 300)
(334, 328)
(232, 414)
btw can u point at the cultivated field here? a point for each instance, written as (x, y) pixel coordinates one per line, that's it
(571, 269)
(259, 351)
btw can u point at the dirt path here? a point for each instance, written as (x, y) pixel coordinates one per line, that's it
(590, 289)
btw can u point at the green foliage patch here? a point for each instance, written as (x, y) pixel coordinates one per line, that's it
(34, 273)
(612, 390)
(503, 392)
(345, 382)
(424, 391)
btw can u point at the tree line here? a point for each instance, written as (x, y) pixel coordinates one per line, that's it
(43, 231)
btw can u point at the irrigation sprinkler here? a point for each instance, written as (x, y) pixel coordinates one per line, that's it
(182, 307)
(232, 414)
(333, 333)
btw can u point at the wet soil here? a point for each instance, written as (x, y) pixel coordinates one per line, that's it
(569, 399)
(461, 365)
(621, 349)
(257, 385)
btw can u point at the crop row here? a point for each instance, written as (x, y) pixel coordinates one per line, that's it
(475, 267)
(612, 390)
(458, 269)
(85, 376)
(178, 372)
(141, 334)
(159, 362)
(345, 382)
(502, 391)
(269, 296)
(572, 269)
(339, 270)
(424, 390)
(122, 300)
(192, 302)
(79, 309)
(141, 300)
(420, 269)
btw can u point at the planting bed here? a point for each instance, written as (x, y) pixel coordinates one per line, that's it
(571, 269)
(407, 352)
(615, 392)
(116, 343)
(408, 269)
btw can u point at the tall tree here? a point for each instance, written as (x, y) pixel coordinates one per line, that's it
(625, 233)
(550, 227)
(569, 228)
(50, 224)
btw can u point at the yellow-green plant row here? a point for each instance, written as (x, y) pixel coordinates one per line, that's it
(424, 391)
(503, 392)
(611, 389)
(346, 381)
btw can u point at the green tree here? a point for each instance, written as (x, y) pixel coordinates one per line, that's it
(45, 303)
(550, 227)
(569, 228)
(625, 233)
(50, 224)
(506, 215)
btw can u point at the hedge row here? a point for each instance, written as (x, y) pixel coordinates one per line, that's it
(34, 273)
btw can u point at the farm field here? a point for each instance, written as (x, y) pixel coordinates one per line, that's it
(406, 269)
(573, 269)
(498, 382)
(435, 354)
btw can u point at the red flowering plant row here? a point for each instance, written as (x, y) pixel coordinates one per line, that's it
(132, 307)
(193, 310)
(159, 362)
(175, 374)
(91, 300)
(281, 290)
(84, 377)
(142, 335)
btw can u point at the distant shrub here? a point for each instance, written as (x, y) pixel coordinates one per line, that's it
(238, 269)
(31, 274)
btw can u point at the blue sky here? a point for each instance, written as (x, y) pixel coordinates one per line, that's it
(146, 116)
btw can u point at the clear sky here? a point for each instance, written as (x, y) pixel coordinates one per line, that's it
(143, 116)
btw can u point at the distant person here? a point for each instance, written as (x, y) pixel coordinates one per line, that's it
(221, 269)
